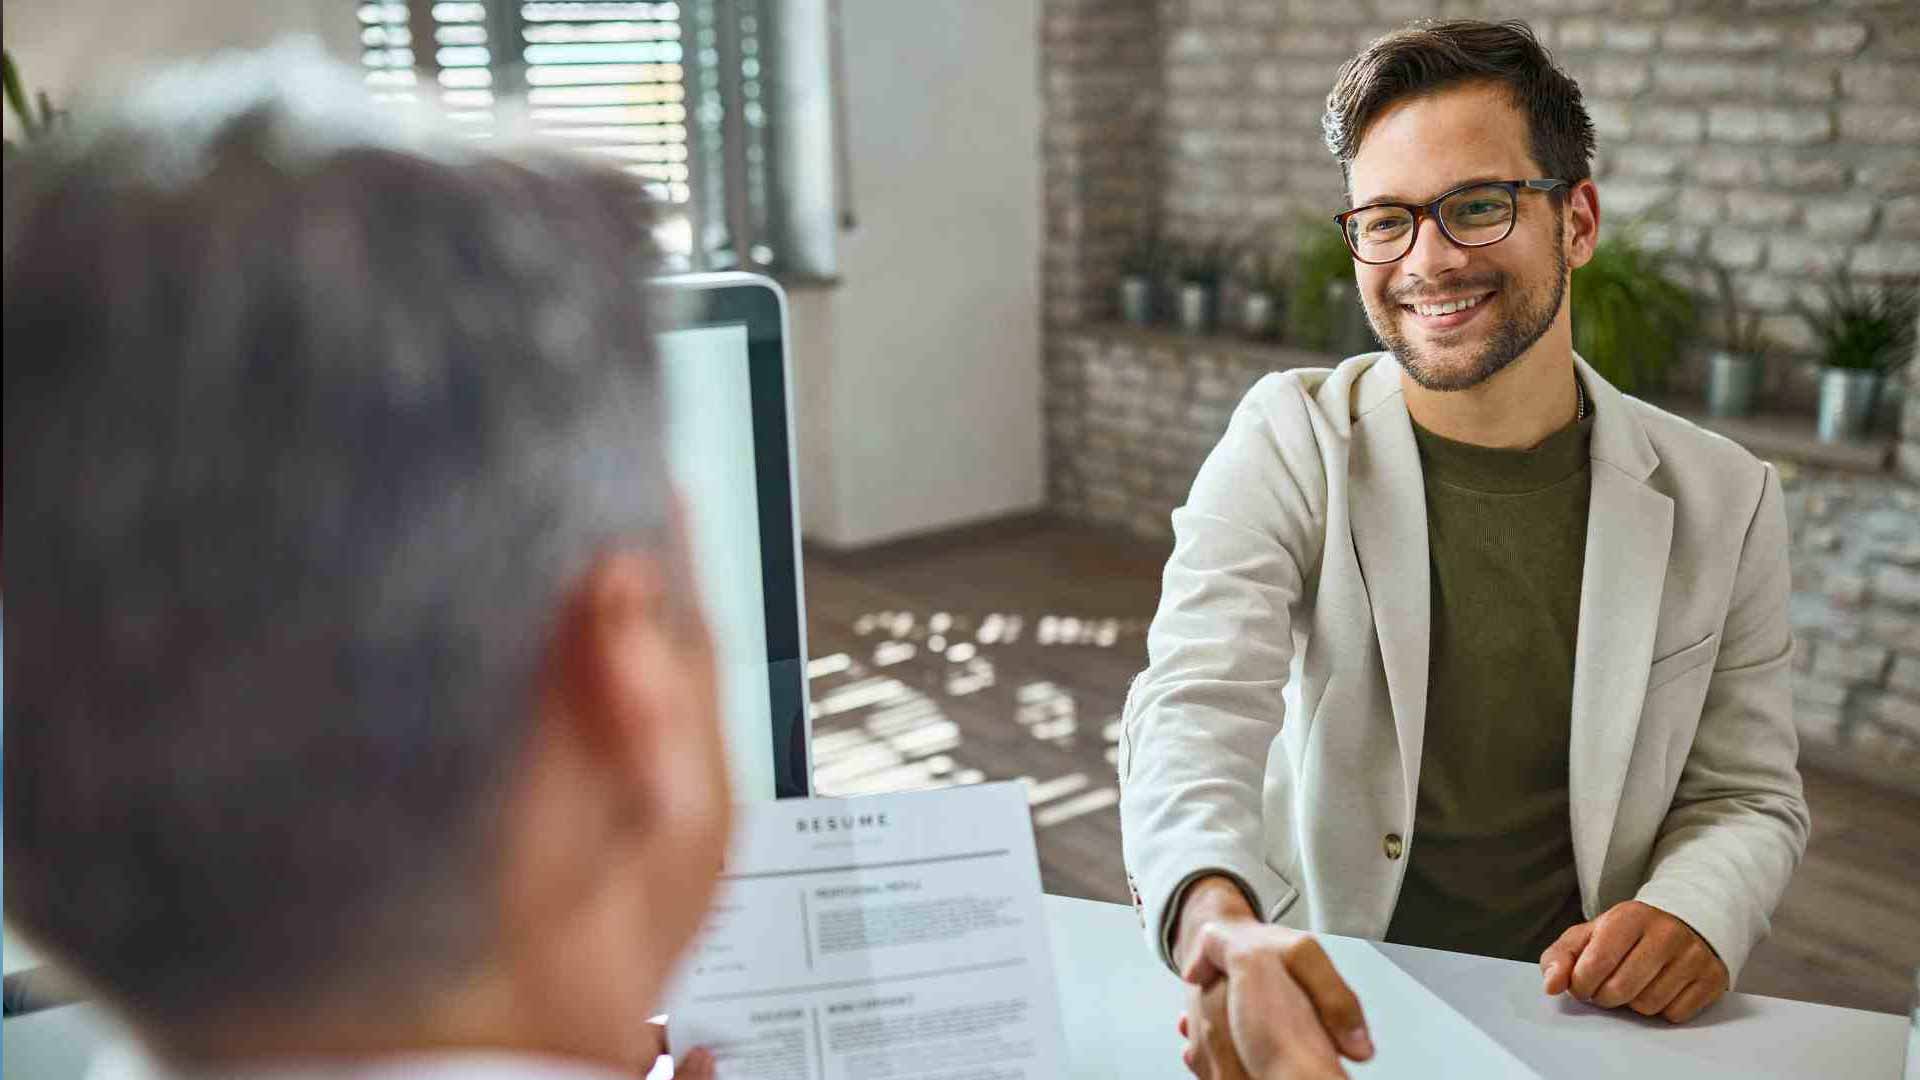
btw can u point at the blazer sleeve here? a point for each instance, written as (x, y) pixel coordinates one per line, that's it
(1738, 824)
(1199, 721)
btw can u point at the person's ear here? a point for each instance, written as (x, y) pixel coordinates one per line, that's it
(633, 672)
(1583, 223)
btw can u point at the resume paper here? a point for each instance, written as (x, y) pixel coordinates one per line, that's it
(885, 937)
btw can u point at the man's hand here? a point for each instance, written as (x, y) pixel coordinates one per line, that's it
(1636, 955)
(1287, 1012)
(696, 1065)
(1210, 899)
(1210, 1054)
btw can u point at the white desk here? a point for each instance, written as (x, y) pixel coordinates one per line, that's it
(1119, 1006)
(1434, 1015)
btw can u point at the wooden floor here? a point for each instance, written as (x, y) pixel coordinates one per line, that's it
(1004, 652)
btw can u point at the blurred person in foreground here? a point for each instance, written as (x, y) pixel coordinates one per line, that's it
(360, 717)
(1542, 707)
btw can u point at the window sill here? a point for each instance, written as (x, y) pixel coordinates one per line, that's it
(1173, 344)
(1788, 436)
(1774, 436)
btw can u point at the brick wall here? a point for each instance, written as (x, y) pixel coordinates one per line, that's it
(1856, 614)
(1101, 177)
(1148, 407)
(1856, 607)
(1907, 453)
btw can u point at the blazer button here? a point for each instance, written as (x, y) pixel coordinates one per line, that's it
(1394, 845)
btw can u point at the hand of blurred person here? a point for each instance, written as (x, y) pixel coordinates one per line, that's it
(1284, 1009)
(1634, 954)
(697, 1064)
(1209, 1053)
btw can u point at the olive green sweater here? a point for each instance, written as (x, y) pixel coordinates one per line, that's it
(1490, 867)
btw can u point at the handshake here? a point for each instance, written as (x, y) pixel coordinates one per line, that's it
(1266, 1003)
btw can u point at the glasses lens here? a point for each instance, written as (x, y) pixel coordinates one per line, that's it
(1380, 234)
(1480, 215)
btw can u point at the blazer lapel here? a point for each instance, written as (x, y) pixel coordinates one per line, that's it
(1629, 530)
(1388, 502)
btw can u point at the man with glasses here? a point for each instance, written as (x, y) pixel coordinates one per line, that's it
(1458, 646)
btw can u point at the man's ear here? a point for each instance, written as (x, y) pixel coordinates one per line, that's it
(1583, 223)
(625, 670)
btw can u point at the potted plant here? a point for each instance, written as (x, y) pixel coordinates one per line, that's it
(1263, 287)
(1734, 369)
(1140, 268)
(1323, 306)
(1864, 335)
(1202, 267)
(1631, 319)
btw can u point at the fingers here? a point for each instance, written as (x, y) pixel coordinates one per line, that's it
(1697, 996)
(1636, 955)
(1207, 960)
(1219, 1059)
(1556, 964)
(1613, 939)
(1293, 1044)
(1252, 954)
(653, 1043)
(1333, 1000)
(1654, 954)
(1662, 991)
(1197, 1026)
(697, 1065)
(1641, 956)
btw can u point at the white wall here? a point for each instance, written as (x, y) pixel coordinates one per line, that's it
(919, 374)
(62, 45)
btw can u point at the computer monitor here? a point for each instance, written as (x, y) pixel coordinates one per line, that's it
(723, 360)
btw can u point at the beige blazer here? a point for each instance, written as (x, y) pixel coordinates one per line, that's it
(1276, 732)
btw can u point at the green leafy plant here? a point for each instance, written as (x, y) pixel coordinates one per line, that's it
(1863, 329)
(1740, 331)
(35, 122)
(1320, 259)
(1631, 319)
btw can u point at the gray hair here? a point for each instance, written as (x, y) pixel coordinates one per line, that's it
(311, 422)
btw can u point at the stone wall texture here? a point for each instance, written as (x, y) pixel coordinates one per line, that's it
(1907, 453)
(1856, 613)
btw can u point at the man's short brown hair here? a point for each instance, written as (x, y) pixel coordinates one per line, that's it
(1431, 56)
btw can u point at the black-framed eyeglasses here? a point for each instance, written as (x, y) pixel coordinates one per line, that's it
(1471, 215)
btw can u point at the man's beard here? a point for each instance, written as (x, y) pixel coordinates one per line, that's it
(1532, 313)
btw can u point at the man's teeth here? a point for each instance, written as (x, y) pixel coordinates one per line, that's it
(1447, 308)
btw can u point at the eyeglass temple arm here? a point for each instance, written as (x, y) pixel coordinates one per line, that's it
(1544, 185)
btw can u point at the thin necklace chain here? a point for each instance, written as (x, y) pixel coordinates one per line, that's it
(1580, 401)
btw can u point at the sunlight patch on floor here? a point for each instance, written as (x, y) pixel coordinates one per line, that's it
(1043, 791)
(1098, 799)
(888, 732)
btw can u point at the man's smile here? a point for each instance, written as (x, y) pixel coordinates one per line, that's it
(1447, 313)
